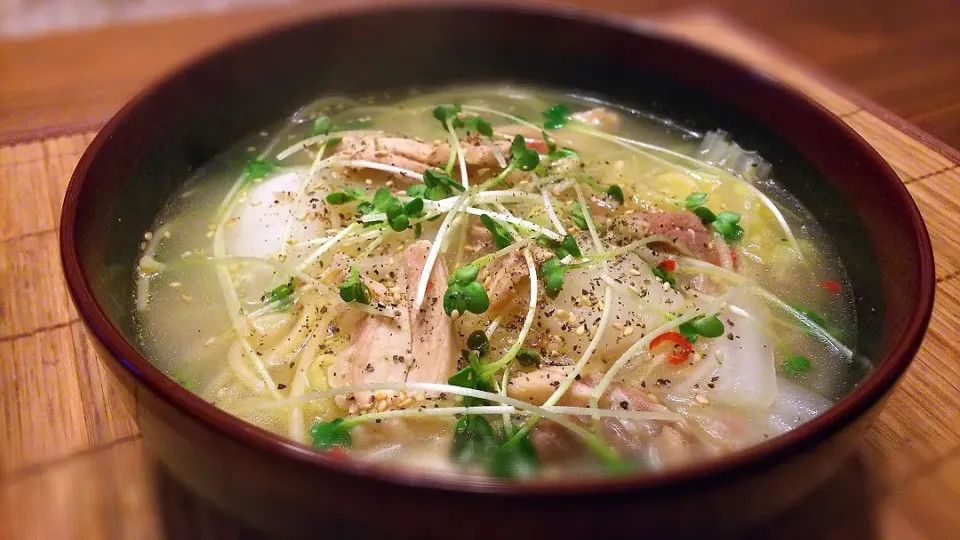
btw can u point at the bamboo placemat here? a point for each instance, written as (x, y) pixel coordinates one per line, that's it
(73, 465)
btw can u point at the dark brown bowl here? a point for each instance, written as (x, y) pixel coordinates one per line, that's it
(175, 126)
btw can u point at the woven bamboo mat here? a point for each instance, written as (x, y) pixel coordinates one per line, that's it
(73, 465)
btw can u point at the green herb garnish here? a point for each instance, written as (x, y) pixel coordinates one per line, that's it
(348, 194)
(465, 293)
(330, 434)
(473, 440)
(447, 113)
(501, 237)
(479, 125)
(479, 342)
(552, 271)
(577, 215)
(665, 275)
(708, 327)
(353, 289)
(616, 192)
(727, 224)
(515, 459)
(257, 169)
(556, 116)
(694, 200)
(322, 125)
(282, 293)
(796, 366)
(528, 358)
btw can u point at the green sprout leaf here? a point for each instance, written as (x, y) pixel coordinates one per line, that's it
(616, 192)
(282, 293)
(706, 216)
(694, 200)
(552, 271)
(257, 169)
(665, 275)
(528, 358)
(516, 459)
(479, 125)
(569, 245)
(464, 293)
(501, 237)
(727, 224)
(353, 290)
(473, 440)
(796, 366)
(522, 157)
(556, 116)
(708, 327)
(447, 113)
(322, 125)
(576, 214)
(347, 195)
(331, 434)
(479, 342)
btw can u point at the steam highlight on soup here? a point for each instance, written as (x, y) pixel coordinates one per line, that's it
(497, 281)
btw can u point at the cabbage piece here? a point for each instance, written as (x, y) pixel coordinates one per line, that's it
(747, 376)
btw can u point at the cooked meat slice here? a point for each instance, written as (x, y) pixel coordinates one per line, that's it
(671, 447)
(601, 118)
(553, 442)
(380, 352)
(415, 155)
(507, 274)
(432, 331)
(683, 226)
(537, 386)
(408, 348)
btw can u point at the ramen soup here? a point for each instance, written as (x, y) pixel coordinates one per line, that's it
(497, 281)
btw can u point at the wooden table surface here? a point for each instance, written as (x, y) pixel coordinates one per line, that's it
(900, 54)
(906, 482)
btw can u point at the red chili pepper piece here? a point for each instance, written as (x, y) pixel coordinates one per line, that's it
(682, 349)
(668, 264)
(337, 453)
(540, 146)
(832, 286)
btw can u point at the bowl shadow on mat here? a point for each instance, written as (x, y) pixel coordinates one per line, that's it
(838, 509)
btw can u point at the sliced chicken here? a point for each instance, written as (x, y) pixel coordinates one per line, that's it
(507, 274)
(412, 347)
(432, 332)
(683, 226)
(380, 352)
(415, 155)
(554, 442)
(537, 386)
(671, 442)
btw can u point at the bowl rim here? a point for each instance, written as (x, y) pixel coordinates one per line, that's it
(868, 393)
